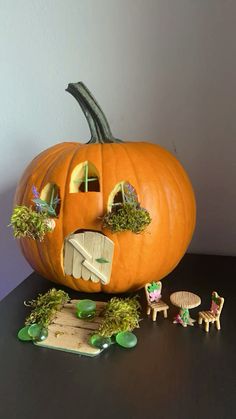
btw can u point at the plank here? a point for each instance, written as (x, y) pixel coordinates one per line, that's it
(108, 251)
(78, 258)
(88, 245)
(69, 339)
(94, 270)
(68, 258)
(70, 334)
(68, 317)
(79, 247)
(97, 253)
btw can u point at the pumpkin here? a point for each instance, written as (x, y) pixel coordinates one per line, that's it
(88, 178)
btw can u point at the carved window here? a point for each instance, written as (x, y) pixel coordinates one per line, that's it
(85, 178)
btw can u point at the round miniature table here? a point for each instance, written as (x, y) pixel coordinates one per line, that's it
(185, 300)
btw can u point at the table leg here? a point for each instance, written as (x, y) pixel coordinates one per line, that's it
(184, 318)
(191, 321)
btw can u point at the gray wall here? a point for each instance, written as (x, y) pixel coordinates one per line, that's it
(163, 70)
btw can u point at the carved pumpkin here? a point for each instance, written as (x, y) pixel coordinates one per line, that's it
(80, 253)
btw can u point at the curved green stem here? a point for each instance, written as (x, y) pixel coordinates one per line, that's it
(98, 124)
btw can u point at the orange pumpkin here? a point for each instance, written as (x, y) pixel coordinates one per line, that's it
(162, 186)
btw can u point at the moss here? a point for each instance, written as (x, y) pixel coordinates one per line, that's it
(127, 217)
(120, 315)
(28, 223)
(46, 306)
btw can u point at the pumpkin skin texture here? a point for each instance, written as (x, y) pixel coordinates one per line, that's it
(162, 186)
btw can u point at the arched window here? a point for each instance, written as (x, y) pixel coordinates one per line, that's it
(50, 197)
(122, 193)
(84, 178)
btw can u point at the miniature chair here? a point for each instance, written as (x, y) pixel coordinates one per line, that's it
(153, 296)
(213, 315)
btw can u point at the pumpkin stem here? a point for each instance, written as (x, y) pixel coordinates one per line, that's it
(98, 124)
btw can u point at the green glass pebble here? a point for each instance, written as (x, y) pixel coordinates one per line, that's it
(126, 339)
(100, 342)
(42, 335)
(34, 330)
(86, 306)
(86, 314)
(86, 309)
(23, 334)
(37, 332)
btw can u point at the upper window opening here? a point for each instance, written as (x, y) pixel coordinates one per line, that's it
(121, 194)
(49, 199)
(84, 178)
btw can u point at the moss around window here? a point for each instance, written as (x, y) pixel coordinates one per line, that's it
(48, 200)
(29, 223)
(124, 210)
(84, 178)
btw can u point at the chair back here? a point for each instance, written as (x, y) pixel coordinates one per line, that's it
(153, 291)
(217, 303)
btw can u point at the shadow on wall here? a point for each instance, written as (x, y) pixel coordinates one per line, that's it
(13, 267)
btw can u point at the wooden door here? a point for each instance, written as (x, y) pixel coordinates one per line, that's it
(89, 255)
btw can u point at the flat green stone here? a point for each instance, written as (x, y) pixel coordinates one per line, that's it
(23, 334)
(37, 332)
(42, 335)
(86, 314)
(86, 306)
(34, 330)
(126, 339)
(100, 342)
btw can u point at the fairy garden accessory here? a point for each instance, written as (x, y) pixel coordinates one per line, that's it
(86, 309)
(213, 315)
(44, 309)
(80, 326)
(126, 339)
(100, 342)
(119, 318)
(185, 300)
(154, 302)
(134, 198)
(120, 315)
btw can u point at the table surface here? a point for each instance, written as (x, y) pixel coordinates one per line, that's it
(173, 372)
(185, 299)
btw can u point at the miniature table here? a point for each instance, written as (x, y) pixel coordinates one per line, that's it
(185, 300)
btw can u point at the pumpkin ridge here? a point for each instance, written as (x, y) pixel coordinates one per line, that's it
(60, 157)
(160, 196)
(167, 253)
(37, 160)
(38, 245)
(77, 147)
(173, 178)
(161, 193)
(182, 197)
(27, 243)
(129, 156)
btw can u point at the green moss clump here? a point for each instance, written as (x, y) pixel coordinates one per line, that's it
(45, 307)
(120, 315)
(28, 223)
(127, 217)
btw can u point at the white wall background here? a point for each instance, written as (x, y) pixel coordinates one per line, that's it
(163, 70)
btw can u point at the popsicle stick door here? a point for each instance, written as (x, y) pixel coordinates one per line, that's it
(89, 255)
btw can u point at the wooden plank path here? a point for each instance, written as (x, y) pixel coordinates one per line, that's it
(70, 334)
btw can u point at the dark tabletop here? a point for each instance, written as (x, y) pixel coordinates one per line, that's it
(173, 372)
